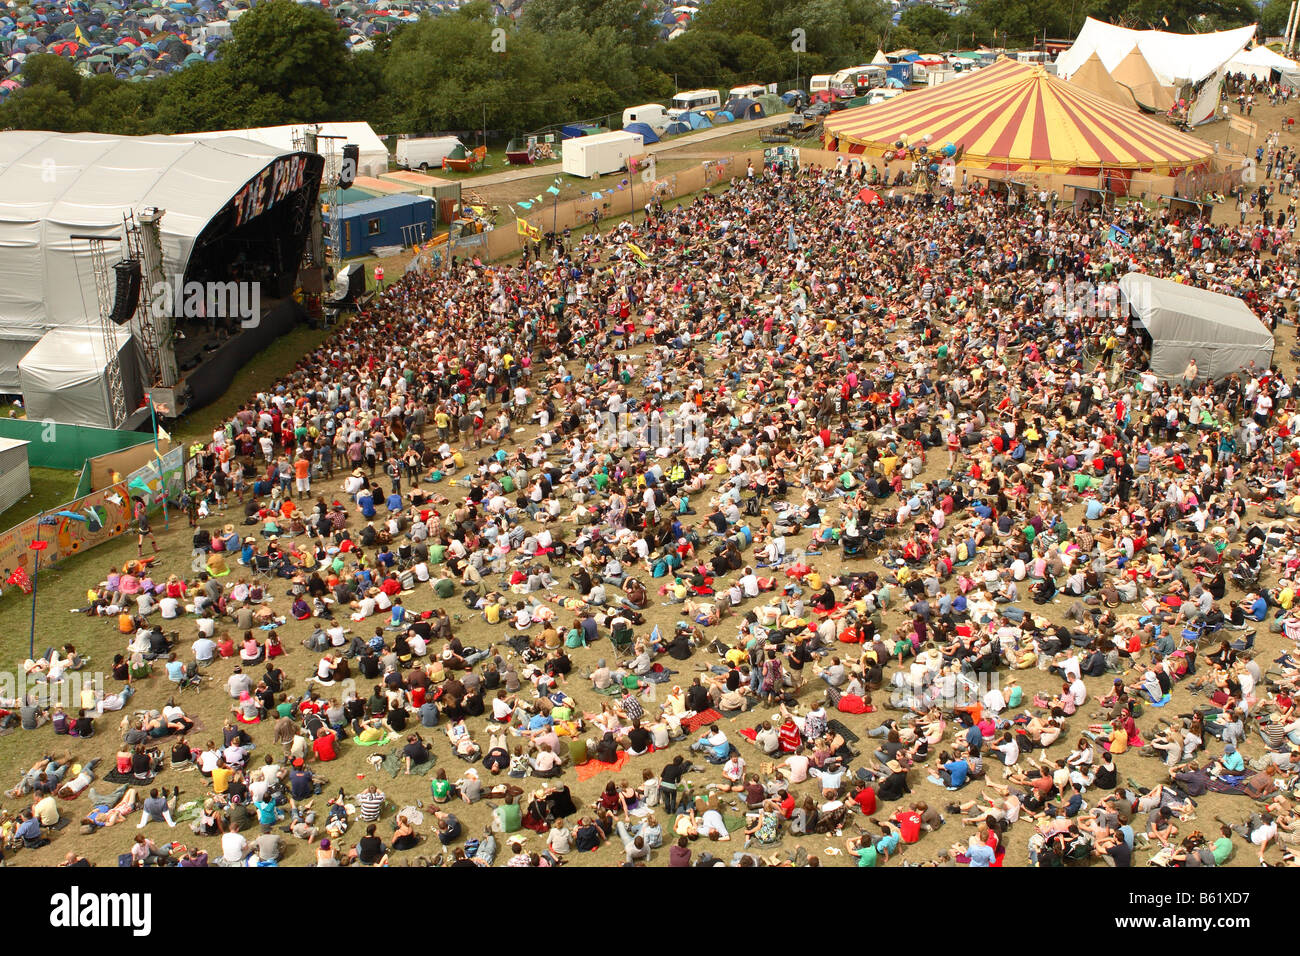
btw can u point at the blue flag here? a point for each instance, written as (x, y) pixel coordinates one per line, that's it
(1118, 236)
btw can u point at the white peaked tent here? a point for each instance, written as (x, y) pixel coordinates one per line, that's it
(1176, 58)
(1185, 322)
(1095, 78)
(1260, 63)
(880, 59)
(373, 158)
(1134, 73)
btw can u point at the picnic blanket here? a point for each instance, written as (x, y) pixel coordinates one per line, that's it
(372, 743)
(702, 719)
(395, 764)
(592, 767)
(838, 727)
(662, 676)
(113, 776)
(189, 810)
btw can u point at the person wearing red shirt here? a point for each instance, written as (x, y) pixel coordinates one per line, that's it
(391, 586)
(865, 798)
(909, 825)
(324, 746)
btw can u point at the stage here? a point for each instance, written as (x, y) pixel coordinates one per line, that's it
(209, 360)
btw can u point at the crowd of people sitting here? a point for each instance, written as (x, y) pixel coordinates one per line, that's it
(857, 531)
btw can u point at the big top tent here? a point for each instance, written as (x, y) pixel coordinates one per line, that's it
(1013, 116)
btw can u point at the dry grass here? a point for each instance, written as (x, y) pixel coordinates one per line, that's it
(64, 586)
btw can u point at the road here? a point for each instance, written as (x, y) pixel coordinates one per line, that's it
(516, 173)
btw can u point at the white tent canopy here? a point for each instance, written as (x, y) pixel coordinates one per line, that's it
(1185, 322)
(1260, 63)
(1176, 58)
(54, 186)
(373, 159)
(65, 378)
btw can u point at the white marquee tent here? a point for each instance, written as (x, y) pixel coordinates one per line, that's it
(1176, 58)
(1260, 63)
(373, 159)
(1185, 322)
(57, 185)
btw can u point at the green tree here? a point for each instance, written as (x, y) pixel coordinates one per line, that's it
(1272, 19)
(295, 54)
(931, 27)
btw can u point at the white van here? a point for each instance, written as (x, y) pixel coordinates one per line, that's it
(694, 100)
(652, 114)
(753, 91)
(426, 152)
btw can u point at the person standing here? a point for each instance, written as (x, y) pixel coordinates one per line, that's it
(141, 514)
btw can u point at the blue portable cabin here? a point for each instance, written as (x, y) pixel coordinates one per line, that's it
(901, 72)
(382, 221)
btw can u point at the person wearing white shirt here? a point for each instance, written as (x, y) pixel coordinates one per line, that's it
(1078, 690)
(233, 848)
(170, 608)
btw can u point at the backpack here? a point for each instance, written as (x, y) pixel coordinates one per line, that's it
(752, 507)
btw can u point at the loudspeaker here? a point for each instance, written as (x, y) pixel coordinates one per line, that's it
(348, 171)
(126, 293)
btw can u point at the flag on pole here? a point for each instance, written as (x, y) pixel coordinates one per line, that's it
(1117, 237)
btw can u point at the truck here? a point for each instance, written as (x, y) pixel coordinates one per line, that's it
(592, 156)
(426, 152)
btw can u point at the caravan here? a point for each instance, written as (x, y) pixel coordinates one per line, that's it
(857, 80)
(694, 101)
(753, 91)
(652, 114)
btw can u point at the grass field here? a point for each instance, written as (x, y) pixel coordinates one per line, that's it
(64, 586)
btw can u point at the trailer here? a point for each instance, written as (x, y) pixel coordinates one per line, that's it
(592, 156)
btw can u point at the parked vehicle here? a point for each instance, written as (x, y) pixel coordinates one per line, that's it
(592, 156)
(426, 152)
(652, 114)
(694, 101)
(753, 91)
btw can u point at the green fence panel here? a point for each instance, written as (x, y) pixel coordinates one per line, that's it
(55, 445)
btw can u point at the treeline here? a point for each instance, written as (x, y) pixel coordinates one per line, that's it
(562, 60)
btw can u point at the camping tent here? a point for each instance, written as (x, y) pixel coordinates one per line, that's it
(1176, 58)
(1012, 116)
(1260, 63)
(646, 133)
(1185, 322)
(743, 108)
(880, 59)
(1135, 74)
(1095, 78)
